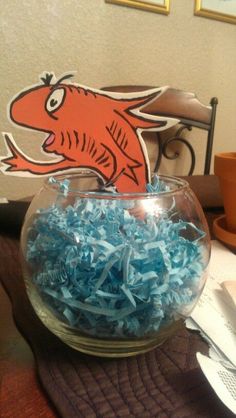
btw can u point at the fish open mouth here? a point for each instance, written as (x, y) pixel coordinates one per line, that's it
(48, 141)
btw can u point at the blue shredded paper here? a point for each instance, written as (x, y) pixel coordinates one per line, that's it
(110, 273)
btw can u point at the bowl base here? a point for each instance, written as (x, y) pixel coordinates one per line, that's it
(100, 347)
(117, 348)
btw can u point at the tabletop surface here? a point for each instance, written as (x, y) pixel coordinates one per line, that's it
(20, 388)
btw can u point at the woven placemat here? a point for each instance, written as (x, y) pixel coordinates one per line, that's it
(166, 382)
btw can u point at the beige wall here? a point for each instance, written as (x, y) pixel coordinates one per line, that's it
(109, 44)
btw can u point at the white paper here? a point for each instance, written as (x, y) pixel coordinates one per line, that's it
(221, 379)
(213, 314)
(215, 318)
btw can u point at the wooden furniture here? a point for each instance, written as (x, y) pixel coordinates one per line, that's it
(191, 113)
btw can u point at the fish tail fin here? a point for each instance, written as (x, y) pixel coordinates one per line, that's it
(10, 162)
(132, 110)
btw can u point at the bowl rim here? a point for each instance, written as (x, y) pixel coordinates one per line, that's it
(55, 183)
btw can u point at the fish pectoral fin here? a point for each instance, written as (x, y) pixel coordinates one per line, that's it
(112, 180)
(129, 171)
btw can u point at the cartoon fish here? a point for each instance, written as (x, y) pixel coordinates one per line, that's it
(86, 128)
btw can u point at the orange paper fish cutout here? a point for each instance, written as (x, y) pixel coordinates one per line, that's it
(86, 128)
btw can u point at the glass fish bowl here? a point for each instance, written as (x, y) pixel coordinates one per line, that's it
(114, 274)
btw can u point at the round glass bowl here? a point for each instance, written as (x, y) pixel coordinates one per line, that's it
(114, 274)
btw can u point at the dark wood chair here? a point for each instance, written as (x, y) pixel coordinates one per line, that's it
(191, 113)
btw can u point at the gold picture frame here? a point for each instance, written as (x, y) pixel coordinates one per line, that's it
(216, 9)
(158, 6)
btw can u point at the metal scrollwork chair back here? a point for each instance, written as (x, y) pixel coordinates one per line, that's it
(191, 113)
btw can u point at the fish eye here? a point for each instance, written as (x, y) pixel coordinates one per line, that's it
(55, 100)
